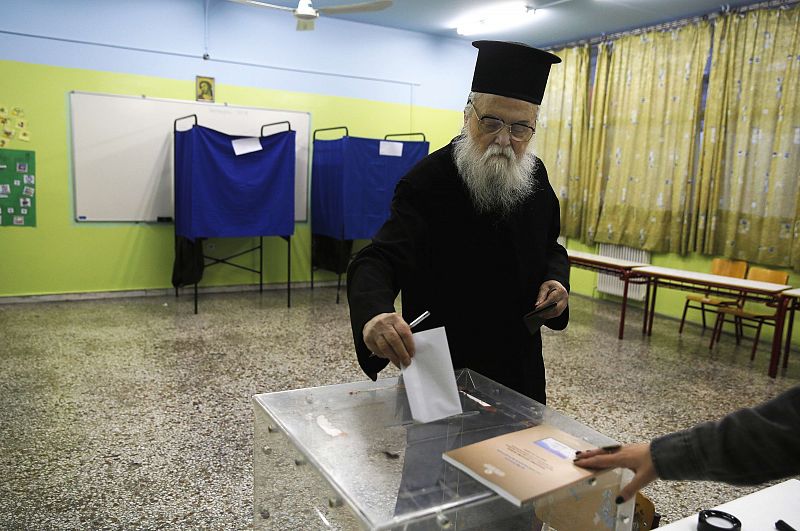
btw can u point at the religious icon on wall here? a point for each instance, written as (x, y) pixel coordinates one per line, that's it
(204, 88)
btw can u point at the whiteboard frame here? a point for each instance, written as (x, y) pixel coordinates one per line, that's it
(90, 187)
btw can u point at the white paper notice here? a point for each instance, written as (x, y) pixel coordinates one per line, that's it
(429, 380)
(391, 149)
(242, 146)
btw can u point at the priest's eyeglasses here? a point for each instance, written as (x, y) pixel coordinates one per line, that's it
(491, 126)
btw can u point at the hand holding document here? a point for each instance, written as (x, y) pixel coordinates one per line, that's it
(429, 380)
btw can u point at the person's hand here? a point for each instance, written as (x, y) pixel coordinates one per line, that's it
(552, 291)
(388, 336)
(633, 456)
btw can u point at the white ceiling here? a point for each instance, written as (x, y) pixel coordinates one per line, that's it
(567, 21)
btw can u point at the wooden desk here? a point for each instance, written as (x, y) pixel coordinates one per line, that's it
(788, 301)
(718, 285)
(610, 266)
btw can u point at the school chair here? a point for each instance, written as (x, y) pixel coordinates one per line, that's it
(754, 315)
(705, 302)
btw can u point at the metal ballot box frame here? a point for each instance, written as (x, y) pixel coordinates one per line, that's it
(349, 456)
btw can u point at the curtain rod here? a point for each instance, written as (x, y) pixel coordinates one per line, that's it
(674, 24)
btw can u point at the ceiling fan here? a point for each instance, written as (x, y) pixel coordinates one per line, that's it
(305, 13)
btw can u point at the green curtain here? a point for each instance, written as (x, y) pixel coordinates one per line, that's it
(561, 134)
(594, 166)
(747, 195)
(644, 127)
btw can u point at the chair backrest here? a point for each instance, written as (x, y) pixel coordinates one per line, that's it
(729, 268)
(768, 275)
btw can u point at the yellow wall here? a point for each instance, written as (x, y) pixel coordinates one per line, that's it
(63, 256)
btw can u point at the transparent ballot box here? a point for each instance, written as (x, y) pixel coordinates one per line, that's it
(349, 456)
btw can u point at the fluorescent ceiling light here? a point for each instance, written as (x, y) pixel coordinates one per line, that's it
(498, 18)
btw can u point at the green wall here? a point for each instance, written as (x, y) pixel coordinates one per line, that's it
(63, 256)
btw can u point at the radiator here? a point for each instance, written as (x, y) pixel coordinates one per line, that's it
(613, 285)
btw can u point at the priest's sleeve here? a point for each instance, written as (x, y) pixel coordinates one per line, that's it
(557, 260)
(377, 273)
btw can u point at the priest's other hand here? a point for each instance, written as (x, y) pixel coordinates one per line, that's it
(633, 456)
(552, 291)
(388, 336)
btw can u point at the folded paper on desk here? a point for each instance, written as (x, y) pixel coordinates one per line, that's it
(525, 464)
(430, 381)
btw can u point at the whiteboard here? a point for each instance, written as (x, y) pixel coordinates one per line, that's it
(122, 151)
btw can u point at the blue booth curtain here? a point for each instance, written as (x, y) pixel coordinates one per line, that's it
(353, 183)
(221, 195)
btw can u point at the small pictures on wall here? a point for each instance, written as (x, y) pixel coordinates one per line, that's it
(17, 188)
(13, 125)
(204, 88)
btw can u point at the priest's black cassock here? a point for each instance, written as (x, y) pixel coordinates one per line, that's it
(477, 273)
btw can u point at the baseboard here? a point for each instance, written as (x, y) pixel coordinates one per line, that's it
(157, 292)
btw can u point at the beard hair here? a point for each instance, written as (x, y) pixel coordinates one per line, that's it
(497, 181)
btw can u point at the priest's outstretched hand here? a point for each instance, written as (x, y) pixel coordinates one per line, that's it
(388, 336)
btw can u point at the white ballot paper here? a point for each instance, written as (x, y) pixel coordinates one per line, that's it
(390, 149)
(429, 380)
(243, 146)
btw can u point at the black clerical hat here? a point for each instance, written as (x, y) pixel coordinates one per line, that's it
(512, 69)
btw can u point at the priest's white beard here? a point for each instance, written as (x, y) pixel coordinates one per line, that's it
(496, 179)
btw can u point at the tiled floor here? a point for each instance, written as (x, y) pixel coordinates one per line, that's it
(135, 413)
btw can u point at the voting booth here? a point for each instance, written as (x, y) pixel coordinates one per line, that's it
(352, 184)
(349, 456)
(229, 186)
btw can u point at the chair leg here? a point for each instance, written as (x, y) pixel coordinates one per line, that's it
(788, 344)
(703, 314)
(739, 328)
(786, 359)
(755, 342)
(683, 318)
(717, 330)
